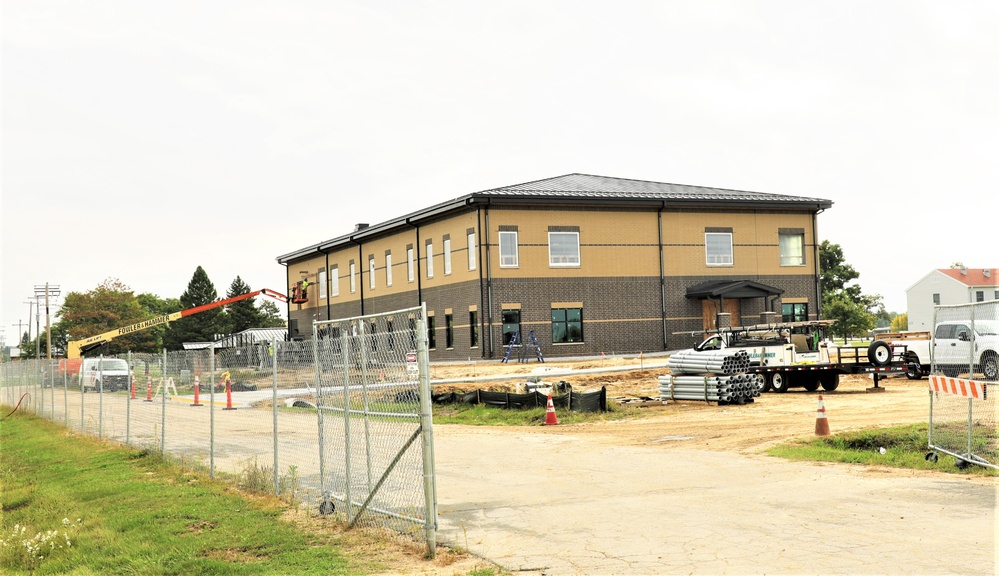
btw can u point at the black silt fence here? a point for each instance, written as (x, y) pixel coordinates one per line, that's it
(595, 401)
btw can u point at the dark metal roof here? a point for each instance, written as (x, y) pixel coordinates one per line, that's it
(732, 289)
(579, 189)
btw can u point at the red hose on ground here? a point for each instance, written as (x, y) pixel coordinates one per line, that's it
(23, 396)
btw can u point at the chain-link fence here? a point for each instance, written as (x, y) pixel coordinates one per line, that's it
(353, 428)
(965, 367)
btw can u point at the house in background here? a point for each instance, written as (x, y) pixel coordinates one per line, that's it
(945, 286)
(588, 263)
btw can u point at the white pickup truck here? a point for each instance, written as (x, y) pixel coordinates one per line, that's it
(951, 347)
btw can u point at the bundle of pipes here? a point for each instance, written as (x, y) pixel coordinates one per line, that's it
(714, 362)
(724, 389)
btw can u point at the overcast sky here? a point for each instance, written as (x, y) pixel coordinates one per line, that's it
(143, 139)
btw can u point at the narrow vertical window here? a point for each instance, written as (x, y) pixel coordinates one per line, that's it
(430, 259)
(335, 281)
(353, 277)
(371, 271)
(473, 328)
(322, 284)
(471, 250)
(411, 263)
(509, 257)
(936, 299)
(449, 330)
(388, 268)
(390, 334)
(431, 333)
(447, 255)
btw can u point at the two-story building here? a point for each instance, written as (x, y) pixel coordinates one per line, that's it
(945, 286)
(590, 264)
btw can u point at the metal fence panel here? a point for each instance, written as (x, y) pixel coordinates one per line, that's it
(965, 357)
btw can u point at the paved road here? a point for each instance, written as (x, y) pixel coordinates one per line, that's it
(559, 504)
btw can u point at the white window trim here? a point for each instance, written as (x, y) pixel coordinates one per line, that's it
(516, 250)
(430, 259)
(471, 251)
(447, 257)
(322, 285)
(410, 263)
(554, 264)
(388, 269)
(371, 272)
(731, 249)
(780, 249)
(334, 281)
(353, 278)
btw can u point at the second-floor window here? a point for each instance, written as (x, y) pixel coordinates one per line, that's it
(430, 259)
(371, 272)
(563, 249)
(411, 264)
(718, 248)
(471, 250)
(388, 269)
(447, 255)
(508, 249)
(335, 281)
(322, 284)
(792, 247)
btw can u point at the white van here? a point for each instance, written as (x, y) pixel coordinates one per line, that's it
(105, 374)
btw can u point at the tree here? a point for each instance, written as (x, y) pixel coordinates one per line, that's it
(854, 311)
(900, 323)
(271, 315)
(201, 327)
(156, 306)
(111, 305)
(243, 314)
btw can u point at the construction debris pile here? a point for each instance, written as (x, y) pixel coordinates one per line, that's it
(710, 376)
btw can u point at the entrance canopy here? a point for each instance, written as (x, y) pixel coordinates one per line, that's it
(732, 289)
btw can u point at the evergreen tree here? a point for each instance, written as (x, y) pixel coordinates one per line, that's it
(243, 314)
(200, 327)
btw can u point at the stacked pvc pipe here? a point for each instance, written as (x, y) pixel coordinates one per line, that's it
(721, 388)
(709, 362)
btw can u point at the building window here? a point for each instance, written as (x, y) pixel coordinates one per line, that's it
(449, 330)
(431, 333)
(718, 248)
(374, 339)
(508, 250)
(430, 259)
(371, 272)
(511, 326)
(411, 264)
(996, 296)
(412, 333)
(322, 284)
(473, 328)
(388, 268)
(390, 334)
(792, 247)
(936, 299)
(471, 250)
(335, 281)
(980, 296)
(353, 277)
(563, 249)
(567, 325)
(794, 312)
(447, 255)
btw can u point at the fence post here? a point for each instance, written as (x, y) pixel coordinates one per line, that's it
(65, 393)
(427, 425)
(100, 398)
(364, 395)
(211, 416)
(274, 406)
(128, 400)
(346, 423)
(163, 391)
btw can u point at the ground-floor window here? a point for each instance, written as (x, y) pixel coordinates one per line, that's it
(511, 326)
(449, 330)
(567, 325)
(473, 328)
(794, 312)
(431, 333)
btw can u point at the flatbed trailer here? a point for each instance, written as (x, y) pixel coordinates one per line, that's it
(877, 359)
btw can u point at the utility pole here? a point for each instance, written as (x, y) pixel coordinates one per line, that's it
(46, 290)
(30, 305)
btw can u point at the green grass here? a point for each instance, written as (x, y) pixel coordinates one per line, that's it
(131, 513)
(905, 447)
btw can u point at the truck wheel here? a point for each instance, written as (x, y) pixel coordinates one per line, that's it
(778, 382)
(761, 383)
(990, 366)
(810, 382)
(829, 381)
(913, 370)
(879, 353)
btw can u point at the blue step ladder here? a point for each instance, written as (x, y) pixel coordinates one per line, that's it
(532, 346)
(509, 348)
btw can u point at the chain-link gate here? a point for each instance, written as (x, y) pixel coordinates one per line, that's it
(965, 363)
(375, 423)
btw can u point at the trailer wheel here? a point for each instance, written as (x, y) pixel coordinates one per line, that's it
(778, 382)
(913, 370)
(879, 353)
(810, 382)
(762, 384)
(829, 381)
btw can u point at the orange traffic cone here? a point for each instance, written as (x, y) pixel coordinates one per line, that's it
(132, 396)
(149, 389)
(197, 391)
(228, 395)
(821, 421)
(550, 417)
